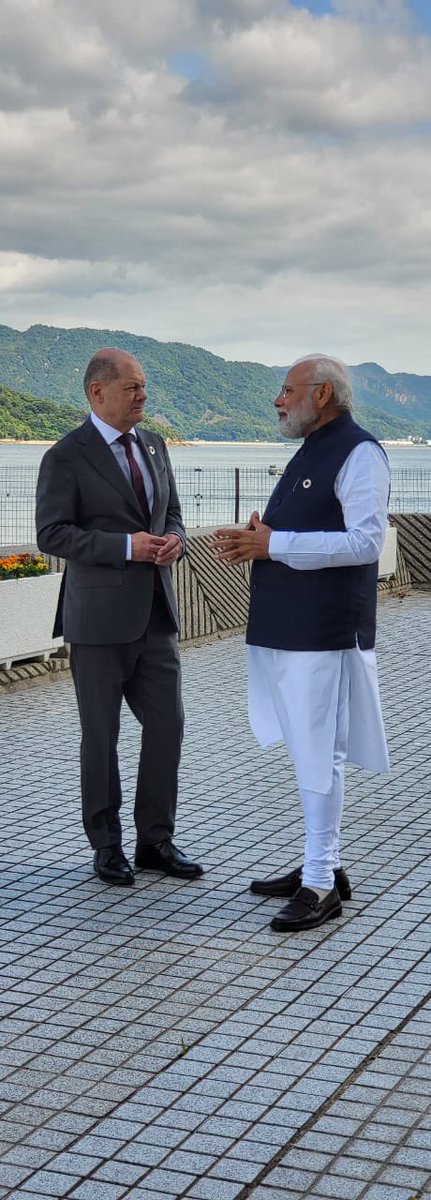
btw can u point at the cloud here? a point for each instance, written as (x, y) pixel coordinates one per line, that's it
(395, 14)
(323, 76)
(294, 169)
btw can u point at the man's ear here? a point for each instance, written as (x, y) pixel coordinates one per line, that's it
(326, 394)
(96, 392)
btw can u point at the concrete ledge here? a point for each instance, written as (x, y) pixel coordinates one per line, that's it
(402, 580)
(414, 541)
(212, 597)
(27, 673)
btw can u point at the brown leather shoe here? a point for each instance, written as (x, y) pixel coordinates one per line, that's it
(111, 866)
(287, 885)
(164, 856)
(306, 911)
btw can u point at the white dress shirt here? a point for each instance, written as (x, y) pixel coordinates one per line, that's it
(110, 436)
(293, 695)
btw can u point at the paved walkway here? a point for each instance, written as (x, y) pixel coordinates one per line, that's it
(162, 1041)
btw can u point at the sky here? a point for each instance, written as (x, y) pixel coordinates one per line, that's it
(251, 176)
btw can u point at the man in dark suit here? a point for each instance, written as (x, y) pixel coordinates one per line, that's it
(107, 503)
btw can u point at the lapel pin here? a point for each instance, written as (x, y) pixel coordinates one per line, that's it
(151, 449)
(306, 483)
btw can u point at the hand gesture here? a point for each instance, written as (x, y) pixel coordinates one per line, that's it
(243, 545)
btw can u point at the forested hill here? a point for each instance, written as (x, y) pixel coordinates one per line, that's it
(194, 392)
(24, 417)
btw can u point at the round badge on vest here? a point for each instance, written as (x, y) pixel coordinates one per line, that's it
(151, 449)
(306, 483)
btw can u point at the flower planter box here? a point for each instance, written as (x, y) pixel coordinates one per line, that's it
(27, 611)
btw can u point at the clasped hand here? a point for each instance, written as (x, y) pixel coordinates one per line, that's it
(163, 551)
(242, 545)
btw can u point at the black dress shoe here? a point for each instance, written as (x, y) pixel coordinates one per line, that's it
(287, 885)
(164, 856)
(111, 865)
(305, 911)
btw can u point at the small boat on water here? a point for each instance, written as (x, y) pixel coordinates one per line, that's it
(274, 470)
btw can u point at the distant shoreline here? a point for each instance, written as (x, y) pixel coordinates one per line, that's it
(286, 442)
(169, 442)
(24, 442)
(200, 442)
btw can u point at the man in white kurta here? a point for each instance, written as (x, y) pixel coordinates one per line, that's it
(324, 704)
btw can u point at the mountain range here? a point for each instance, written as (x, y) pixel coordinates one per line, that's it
(191, 392)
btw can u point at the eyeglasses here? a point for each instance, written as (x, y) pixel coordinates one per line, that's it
(286, 389)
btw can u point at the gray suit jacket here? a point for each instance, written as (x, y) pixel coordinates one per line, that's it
(84, 508)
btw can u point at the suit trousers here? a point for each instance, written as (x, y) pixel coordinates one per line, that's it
(147, 674)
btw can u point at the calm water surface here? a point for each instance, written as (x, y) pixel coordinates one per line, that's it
(221, 454)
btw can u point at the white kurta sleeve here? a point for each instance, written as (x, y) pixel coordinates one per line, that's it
(362, 488)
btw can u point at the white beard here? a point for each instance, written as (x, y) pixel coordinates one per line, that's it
(296, 423)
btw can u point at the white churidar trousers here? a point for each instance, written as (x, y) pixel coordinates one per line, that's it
(323, 813)
(325, 706)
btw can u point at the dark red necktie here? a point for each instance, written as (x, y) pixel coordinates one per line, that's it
(136, 473)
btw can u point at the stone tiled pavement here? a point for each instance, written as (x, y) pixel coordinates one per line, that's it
(162, 1042)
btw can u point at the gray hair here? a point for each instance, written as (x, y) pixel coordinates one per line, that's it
(332, 370)
(101, 366)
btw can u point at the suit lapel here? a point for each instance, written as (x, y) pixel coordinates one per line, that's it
(150, 460)
(99, 454)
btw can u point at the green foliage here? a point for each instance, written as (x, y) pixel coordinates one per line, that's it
(194, 392)
(385, 427)
(24, 417)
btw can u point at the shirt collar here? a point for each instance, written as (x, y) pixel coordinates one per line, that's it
(109, 434)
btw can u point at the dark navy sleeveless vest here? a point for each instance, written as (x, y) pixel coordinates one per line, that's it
(329, 609)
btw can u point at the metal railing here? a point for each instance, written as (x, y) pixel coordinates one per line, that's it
(410, 490)
(209, 496)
